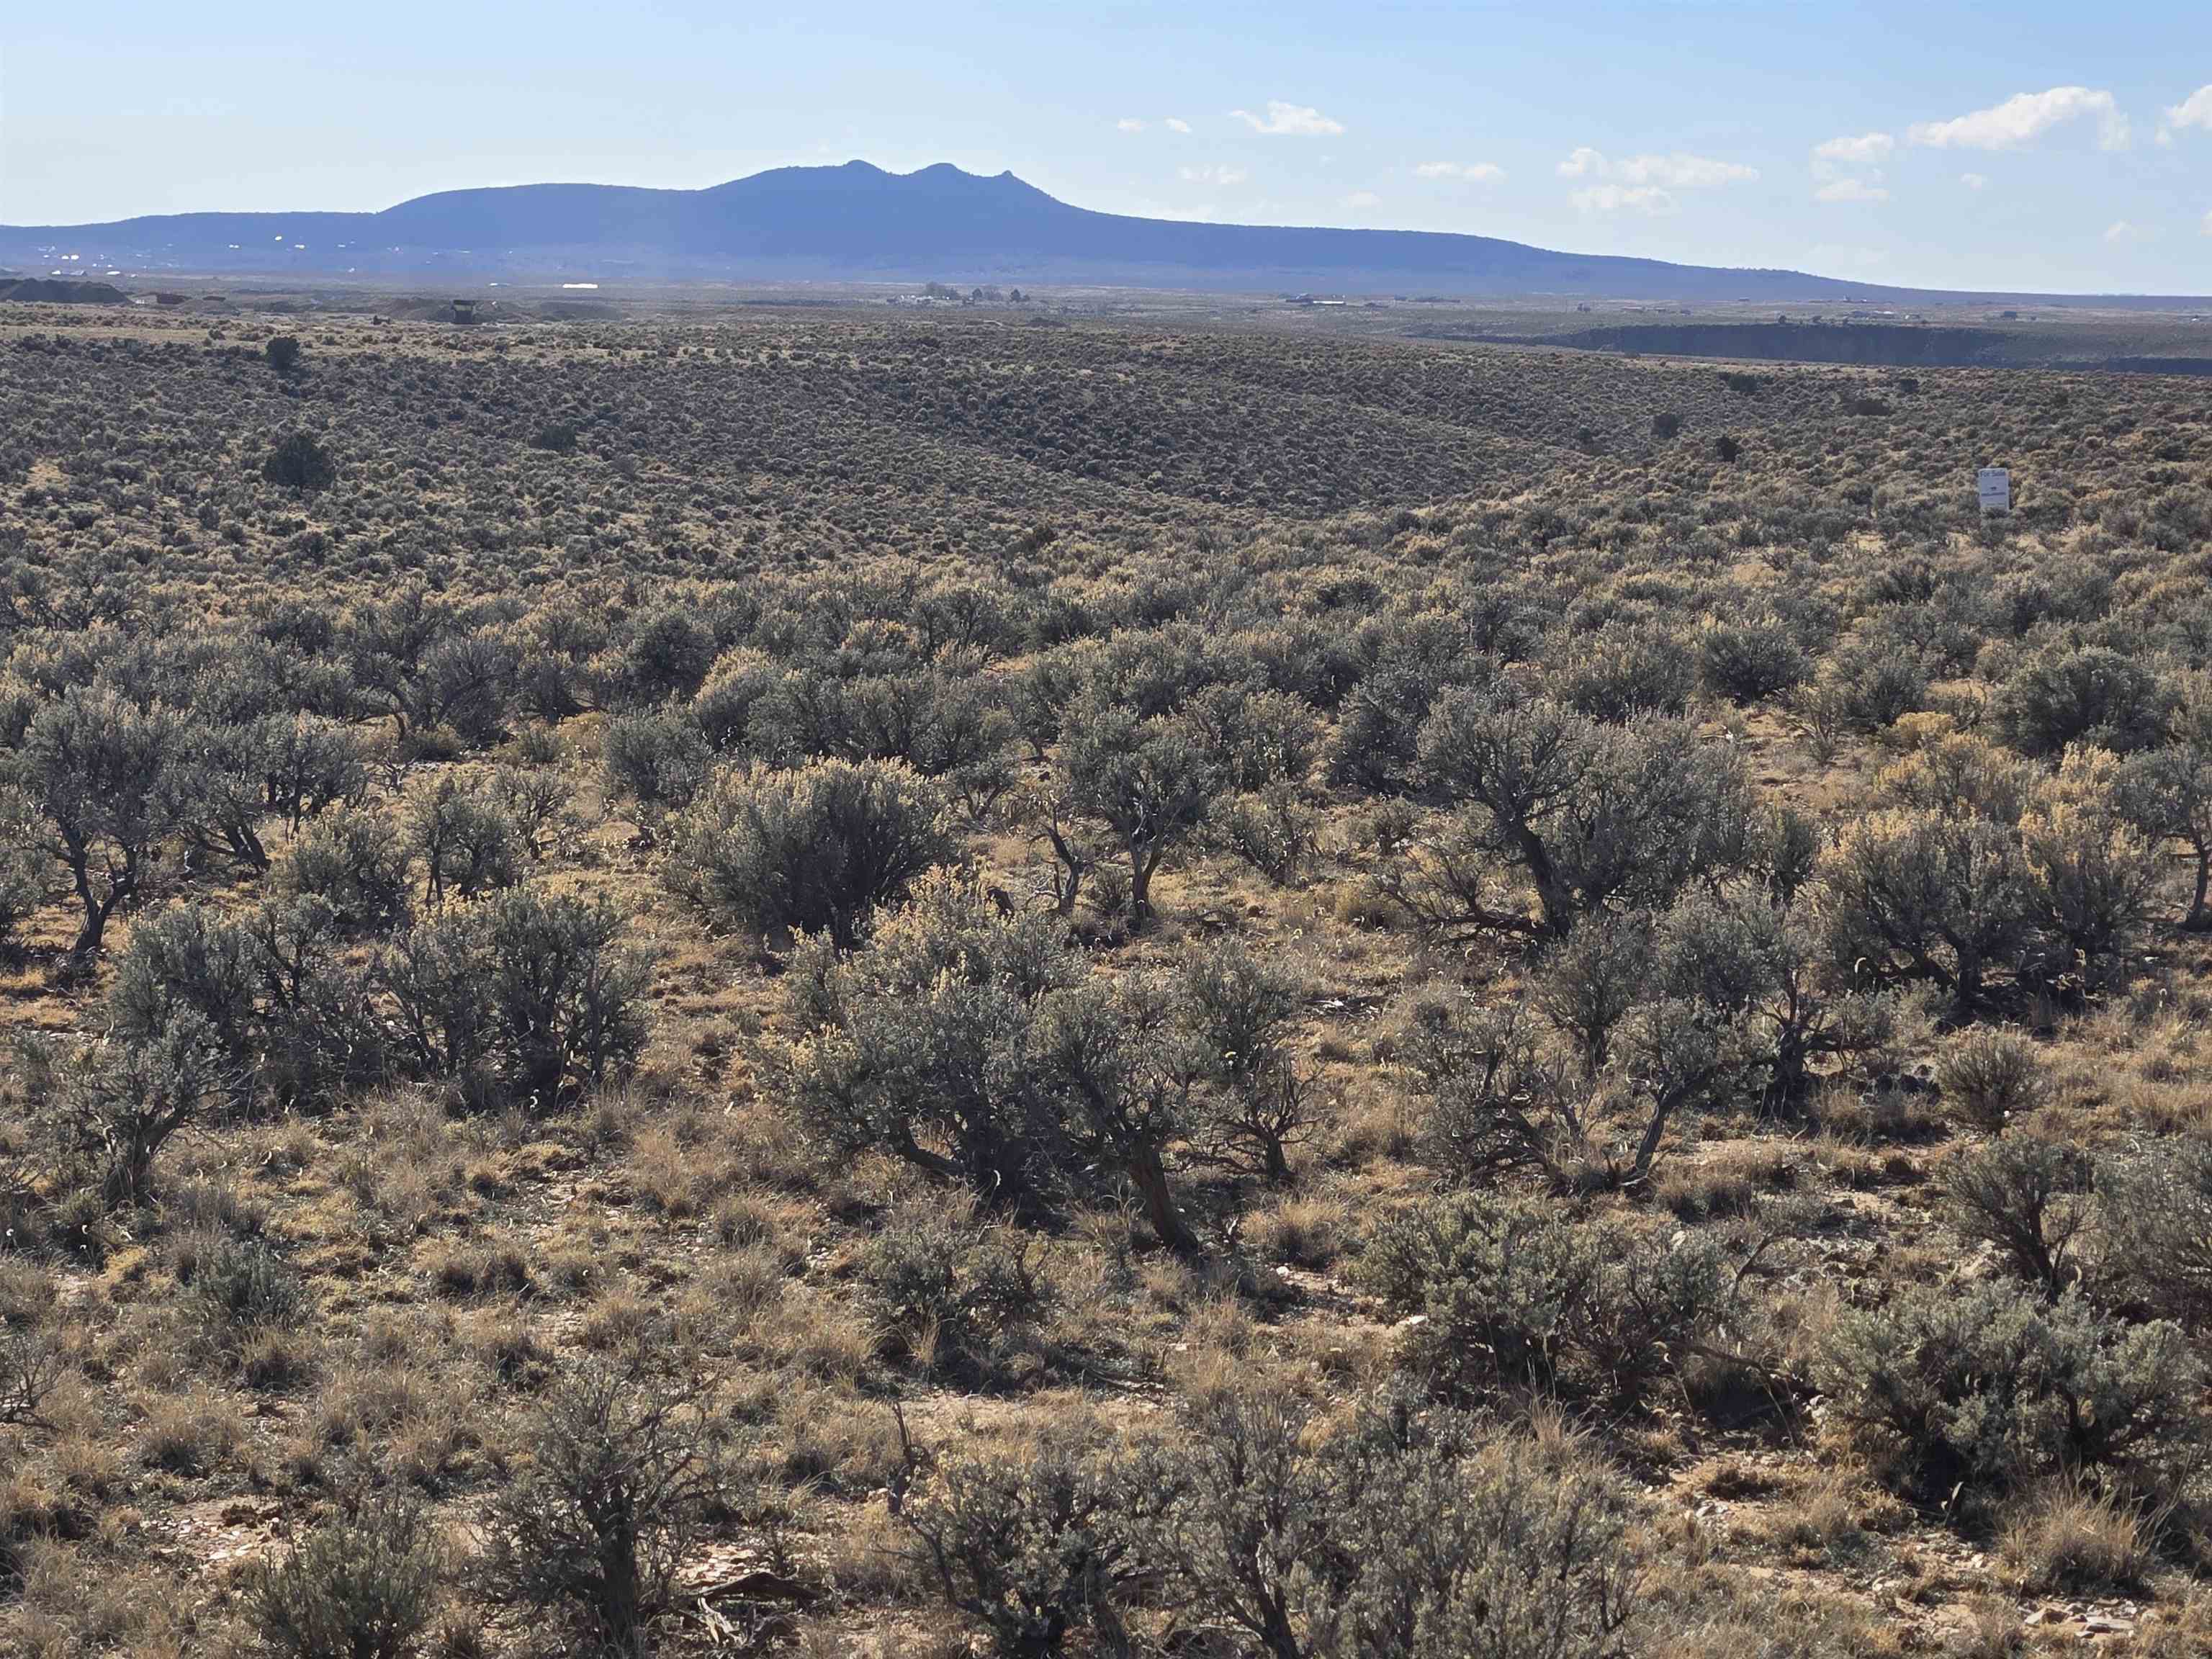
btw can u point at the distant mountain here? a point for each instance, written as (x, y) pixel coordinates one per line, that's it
(51, 291)
(858, 222)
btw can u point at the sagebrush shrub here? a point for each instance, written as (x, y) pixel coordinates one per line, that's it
(815, 847)
(1518, 1295)
(2154, 1211)
(951, 1295)
(2095, 695)
(1038, 1548)
(658, 760)
(623, 1466)
(1990, 1385)
(1621, 672)
(246, 1285)
(523, 998)
(355, 861)
(1749, 661)
(2027, 1197)
(1411, 1531)
(1272, 831)
(299, 462)
(362, 1586)
(1992, 1077)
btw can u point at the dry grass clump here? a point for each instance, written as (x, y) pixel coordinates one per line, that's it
(189, 1434)
(2069, 1540)
(1992, 1079)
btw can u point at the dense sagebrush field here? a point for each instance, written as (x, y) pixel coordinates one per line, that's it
(870, 985)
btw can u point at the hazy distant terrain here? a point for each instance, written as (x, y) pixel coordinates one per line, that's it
(858, 222)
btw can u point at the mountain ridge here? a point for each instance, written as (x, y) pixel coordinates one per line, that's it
(858, 222)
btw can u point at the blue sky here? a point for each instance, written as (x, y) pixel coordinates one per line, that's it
(2035, 145)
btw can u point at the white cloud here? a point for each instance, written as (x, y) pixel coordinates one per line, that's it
(1864, 150)
(2194, 110)
(1850, 190)
(1848, 168)
(1482, 172)
(1623, 198)
(1175, 125)
(2207, 226)
(2023, 116)
(1290, 120)
(1973, 180)
(2126, 230)
(1222, 176)
(1129, 123)
(1677, 170)
(1362, 198)
(1836, 255)
(1684, 172)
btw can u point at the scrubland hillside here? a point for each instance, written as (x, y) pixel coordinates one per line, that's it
(851, 985)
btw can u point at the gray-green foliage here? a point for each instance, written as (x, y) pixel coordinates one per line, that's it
(288, 1018)
(951, 1296)
(962, 1026)
(1757, 967)
(1039, 1548)
(245, 1286)
(466, 840)
(812, 848)
(923, 1040)
(22, 878)
(724, 705)
(1994, 1079)
(1750, 659)
(110, 783)
(2093, 695)
(1410, 1532)
(1930, 897)
(1235, 1013)
(363, 1585)
(523, 997)
(2165, 793)
(353, 860)
(113, 1113)
(1376, 744)
(2155, 1212)
(1626, 670)
(1588, 817)
(1991, 1385)
(1454, 1540)
(1515, 1294)
(1150, 780)
(1254, 738)
(623, 1467)
(656, 760)
(1272, 831)
(2029, 1199)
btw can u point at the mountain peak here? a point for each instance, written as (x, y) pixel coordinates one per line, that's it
(856, 221)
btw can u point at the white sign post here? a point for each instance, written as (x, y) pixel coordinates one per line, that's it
(1993, 485)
